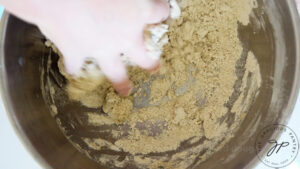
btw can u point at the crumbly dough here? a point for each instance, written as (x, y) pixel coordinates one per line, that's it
(188, 100)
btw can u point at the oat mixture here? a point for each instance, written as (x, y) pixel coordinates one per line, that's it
(190, 101)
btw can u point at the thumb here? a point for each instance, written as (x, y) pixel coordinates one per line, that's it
(159, 12)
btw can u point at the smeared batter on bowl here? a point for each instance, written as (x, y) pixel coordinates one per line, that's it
(179, 117)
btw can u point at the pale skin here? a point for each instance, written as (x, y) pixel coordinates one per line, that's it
(102, 29)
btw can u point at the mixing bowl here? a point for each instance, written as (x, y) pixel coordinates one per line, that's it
(273, 36)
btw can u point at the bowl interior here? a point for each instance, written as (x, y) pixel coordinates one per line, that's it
(272, 36)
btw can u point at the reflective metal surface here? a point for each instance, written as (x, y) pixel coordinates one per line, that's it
(273, 36)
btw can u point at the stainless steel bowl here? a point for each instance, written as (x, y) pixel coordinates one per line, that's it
(273, 36)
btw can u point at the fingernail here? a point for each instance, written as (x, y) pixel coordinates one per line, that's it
(124, 88)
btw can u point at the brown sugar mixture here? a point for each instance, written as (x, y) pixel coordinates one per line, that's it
(195, 103)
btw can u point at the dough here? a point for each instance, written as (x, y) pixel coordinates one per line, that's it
(192, 96)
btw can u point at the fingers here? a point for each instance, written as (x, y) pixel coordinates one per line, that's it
(140, 57)
(73, 63)
(112, 67)
(116, 72)
(123, 88)
(159, 12)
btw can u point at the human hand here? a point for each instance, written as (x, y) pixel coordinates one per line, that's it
(98, 29)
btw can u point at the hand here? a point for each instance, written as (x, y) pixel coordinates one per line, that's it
(102, 29)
